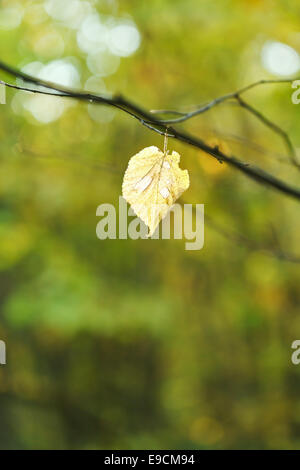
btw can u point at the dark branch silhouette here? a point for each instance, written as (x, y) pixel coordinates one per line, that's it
(162, 127)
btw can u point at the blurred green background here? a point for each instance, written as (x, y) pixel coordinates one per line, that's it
(124, 344)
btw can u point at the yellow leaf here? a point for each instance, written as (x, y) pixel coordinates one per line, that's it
(152, 183)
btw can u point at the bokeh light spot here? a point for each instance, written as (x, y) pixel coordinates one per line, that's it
(123, 40)
(280, 59)
(11, 16)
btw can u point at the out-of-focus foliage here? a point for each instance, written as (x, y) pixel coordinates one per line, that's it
(141, 344)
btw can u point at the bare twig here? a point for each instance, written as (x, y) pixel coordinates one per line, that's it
(229, 96)
(237, 238)
(274, 127)
(252, 245)
(281, 158)
(237, 96)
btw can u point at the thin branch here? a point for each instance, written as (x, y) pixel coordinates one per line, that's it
(216, 101)
(167, 111)
(161, 127)
(281, 158)
(238, 238)
(237, 96)
(272, 126)
(74, 159)
(117, 101)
